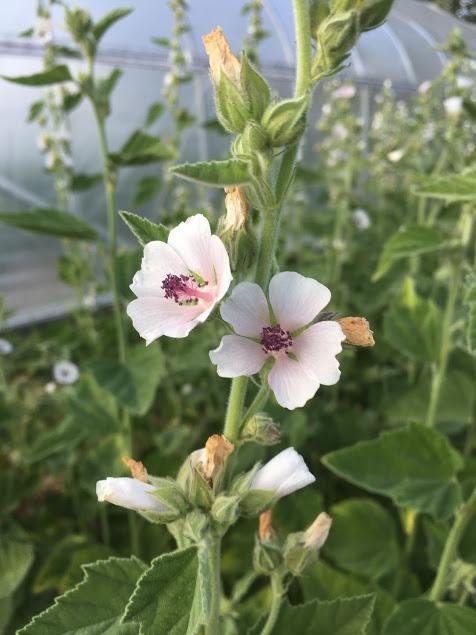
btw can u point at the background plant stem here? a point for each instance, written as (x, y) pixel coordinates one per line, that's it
(277, 598)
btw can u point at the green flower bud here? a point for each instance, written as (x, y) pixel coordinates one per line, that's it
(297, 556)
(267, 557)
(284, 121)
(232, 110)
(170, 494)
(255, 88)
(318, 11)
(372, 12)
(254, 138)
(200, 493)
(261, 429)
(225, 509)
(335, 37)
(79, 24)
(255, 501)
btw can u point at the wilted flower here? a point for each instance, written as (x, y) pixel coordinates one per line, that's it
(453, 106)
(395, 156)
(6, 347)
(361, 219)
(221, 58)
(357, 331)
(284, 474)
(129, 493)
(65, 372)
(303, 354)
(316, 535)
(345, 92)
(180, 281)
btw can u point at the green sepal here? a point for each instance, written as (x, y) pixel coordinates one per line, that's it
(242, 483)
(297, 557)
(170, 494)
(284, 121)
(267, 556)
(195, 526)
(225, 509)
(199, 492)
(232, 110)
(256, 501)
(252, 140)
(336, 36)
(255, 87)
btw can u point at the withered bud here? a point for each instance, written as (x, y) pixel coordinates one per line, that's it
(221, 58)
(217, 450)
(237, 209)
(316, 535)
(136, 468)
(357, 331)
(266, 531)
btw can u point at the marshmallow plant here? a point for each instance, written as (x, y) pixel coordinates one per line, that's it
(280, 334)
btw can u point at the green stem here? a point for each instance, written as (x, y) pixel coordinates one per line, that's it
(439, 371)
(302, 27)
(235, 408)
(277, 597)
(213, 554)
(450, 550)
(258, 402)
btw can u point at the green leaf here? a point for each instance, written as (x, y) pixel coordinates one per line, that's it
(134, 383)
(344, 616)
(66, 51)
(363, 539)
(71, 101)
(423, 617)
(163, 598)
(148, 187)
(215, 173)
(36, 109)
(93, 409)
(16, 559)
(154, 112)
(255, 86)
(144, 229)
(54, 75)
(415, 466)
(53, 222)
(95, 605)
(452, 188)
(470, 301)
(108, 20)
(7, 607)
(141, 149)
(413, 326)
(326, 583)
(82, 182)
(412, 240)
(58, 440)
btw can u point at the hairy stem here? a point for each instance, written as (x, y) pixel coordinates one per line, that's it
(213, 552)
(277, 598)
(448, 556)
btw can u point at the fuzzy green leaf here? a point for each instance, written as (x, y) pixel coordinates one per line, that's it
(53, 222)
(344, 616)
(83, 182)
(108, 20)
(141, 149)
(54, 75)
(415, 466)
(215, 173)
(144, 229)
(452, 188)
(363, 539)
(423, 617)
(412, 240)
(16, 558)
(163, 598)
(95, 605)
(133, 383)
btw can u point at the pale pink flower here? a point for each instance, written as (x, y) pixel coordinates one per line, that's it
(180, 281)
(347, 91)
(304, 354)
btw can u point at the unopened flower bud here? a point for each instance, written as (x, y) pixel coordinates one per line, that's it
(357, 331)
(316, 535)
(78, 23)
(129, 493)
(284, 474)
(267, 557)
(261, 429)
(336, 35)
(284, 121)
(225, 509)
(254, 138)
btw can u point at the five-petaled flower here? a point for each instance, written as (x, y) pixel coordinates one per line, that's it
(304, 352)
(180, 281)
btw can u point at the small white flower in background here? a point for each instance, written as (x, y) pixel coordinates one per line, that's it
(326, 110)
(338, 244)
(361, 219)
(340, 132)
(335, 156)
(65, 372)
(453, 106)
(129, 493)
(50, 387)
(377, 121)
(463, 82)
(6, 347)
(395, 156)
(424, 87)
(180, 281)
(316, 535)
(303, 354)
(43, 141)
(345, 92)
(43, 30)
(187, 389)
(387, 83)
(50, 160)
(89, 300)
(428, 132)
(169, 79)
(284, 474)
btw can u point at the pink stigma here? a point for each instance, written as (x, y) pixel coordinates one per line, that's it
(183, 289)
(274, 339)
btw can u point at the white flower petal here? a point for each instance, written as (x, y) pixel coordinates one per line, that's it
(317, 347)
(65, 372)
(159, 260)
(154, 317)
(290, 383)
(237, 356)
(296, 300)
(246, 309)
(221, 266)
(129, 493)
(191, 239)
(284, 474)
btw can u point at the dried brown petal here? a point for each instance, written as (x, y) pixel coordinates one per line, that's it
(217, 449)
(357, 331)
(221, 58)
(266, 531)
(137, 469)
(237, 208)
(316, 535)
